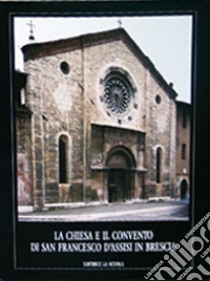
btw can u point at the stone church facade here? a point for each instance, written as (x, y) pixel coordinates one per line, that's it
(96, 122)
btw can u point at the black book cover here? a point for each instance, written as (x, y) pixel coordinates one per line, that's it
(104, 164)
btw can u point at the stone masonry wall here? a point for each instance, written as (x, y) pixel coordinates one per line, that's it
(56, 100)
(160, 127)
(98, 60)
(24, 176)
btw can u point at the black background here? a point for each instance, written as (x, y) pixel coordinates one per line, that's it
(43, 232)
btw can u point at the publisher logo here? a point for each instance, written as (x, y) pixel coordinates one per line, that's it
(177, 263)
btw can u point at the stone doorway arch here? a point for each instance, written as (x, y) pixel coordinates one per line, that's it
(120, 164)
(183, 189)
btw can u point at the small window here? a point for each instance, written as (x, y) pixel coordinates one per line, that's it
(22, 96)
(65, 68)
(183, 151)
(158, 99)
(158, 165)
(184, 119)
(63, 149)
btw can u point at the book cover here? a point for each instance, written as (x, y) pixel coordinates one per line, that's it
(104, 123)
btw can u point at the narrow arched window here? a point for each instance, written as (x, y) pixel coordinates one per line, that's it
(63, 148)
(158, 165)
(183, 151)
(184, 119)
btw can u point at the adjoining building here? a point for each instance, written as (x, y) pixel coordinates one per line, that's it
(183, 149)
(96, 122)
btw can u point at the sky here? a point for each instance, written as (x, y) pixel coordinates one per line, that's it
(166, 40)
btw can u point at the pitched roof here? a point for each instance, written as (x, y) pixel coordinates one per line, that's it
(38, 50)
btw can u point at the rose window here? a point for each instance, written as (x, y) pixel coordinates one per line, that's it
(117, 95)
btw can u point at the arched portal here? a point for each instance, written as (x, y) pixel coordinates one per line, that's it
(183, 189)
(120, 175)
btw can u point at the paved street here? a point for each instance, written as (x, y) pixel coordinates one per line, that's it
(136, 211)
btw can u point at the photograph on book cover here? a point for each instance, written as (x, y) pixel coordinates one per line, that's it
(103, 137)
(103, 126)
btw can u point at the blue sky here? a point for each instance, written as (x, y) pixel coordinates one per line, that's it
(166, 40)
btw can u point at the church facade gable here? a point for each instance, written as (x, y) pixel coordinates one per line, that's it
(103, 128)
